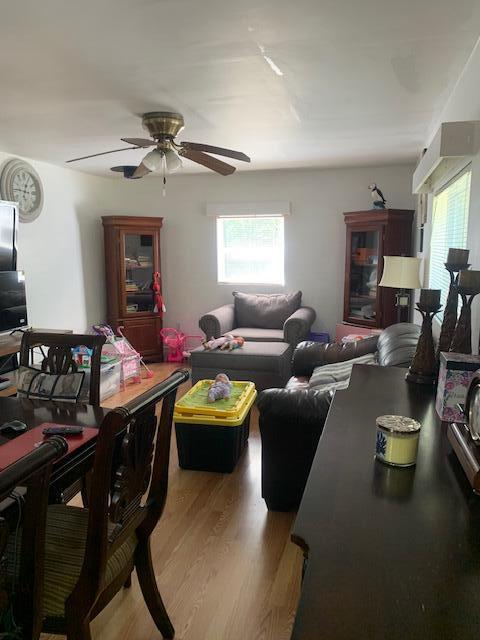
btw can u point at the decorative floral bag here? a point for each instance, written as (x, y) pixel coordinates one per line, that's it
(40, 385)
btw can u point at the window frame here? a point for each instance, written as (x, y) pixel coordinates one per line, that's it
(221, 279)
(441, 189)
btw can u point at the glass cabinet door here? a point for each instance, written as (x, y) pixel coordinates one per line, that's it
(363, 275)
(139, 264)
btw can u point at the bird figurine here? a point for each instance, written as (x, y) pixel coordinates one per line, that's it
(377, 196)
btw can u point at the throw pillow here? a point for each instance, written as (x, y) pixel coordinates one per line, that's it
(263, 310)
(331, 377)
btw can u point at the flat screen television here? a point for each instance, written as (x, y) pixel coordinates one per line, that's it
(8, 235)
(13, 303)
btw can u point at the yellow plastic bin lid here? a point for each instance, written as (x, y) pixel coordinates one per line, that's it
(194, 408)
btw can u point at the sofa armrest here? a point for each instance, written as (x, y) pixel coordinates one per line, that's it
(291, 422)
(297, 407)
(309, 355)
(218, 322)
(297, 327)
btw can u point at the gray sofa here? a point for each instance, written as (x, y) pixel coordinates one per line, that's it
(261, 318)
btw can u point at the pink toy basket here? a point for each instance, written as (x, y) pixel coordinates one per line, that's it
(176, 341)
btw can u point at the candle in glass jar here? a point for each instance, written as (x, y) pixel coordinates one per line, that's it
(430, 298)
(397, 440)
(458, 256)
(469, 282)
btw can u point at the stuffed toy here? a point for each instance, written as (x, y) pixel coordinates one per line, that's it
(157, 296)
(235, 343)
(215, 343)
(220, 388)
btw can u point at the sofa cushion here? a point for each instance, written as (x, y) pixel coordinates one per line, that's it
(331, 377)
(397, 344)
(265, 311)
(259, 335)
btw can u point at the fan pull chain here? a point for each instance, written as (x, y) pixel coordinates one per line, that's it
(164, 165)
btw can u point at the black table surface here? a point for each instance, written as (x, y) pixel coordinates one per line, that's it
(392, 553)
(35, 412)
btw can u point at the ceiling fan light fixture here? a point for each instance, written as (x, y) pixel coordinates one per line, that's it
(174, 162)
(167, 156)
(153, 160)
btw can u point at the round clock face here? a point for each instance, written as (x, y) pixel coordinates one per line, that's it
(473, 404)
(20, 183)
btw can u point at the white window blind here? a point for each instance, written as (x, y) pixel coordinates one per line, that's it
(250, 250)
(449, 230)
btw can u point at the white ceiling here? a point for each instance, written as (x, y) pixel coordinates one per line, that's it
(363, 80)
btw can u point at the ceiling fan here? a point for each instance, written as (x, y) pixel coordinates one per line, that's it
(163, 127)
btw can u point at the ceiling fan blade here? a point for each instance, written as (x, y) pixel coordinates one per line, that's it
(211, 163)
(104, 153)
(139, 142)
(219, 151)
(140, 171)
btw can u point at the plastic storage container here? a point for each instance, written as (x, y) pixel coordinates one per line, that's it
(211, 437)
(110, 378)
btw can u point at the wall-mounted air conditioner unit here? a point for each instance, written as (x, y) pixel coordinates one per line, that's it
(453, 142)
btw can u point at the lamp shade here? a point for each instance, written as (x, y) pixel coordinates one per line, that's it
(173, 161)
(153, 160)
(401, 272)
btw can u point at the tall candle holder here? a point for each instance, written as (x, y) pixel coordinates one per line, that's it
(468, 287)
(450, 313)
(423, 369)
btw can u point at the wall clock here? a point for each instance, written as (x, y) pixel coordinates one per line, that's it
(19, 182)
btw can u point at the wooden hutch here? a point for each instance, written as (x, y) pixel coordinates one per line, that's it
(132, 255)
(370, 236)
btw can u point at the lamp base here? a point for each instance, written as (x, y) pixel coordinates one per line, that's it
(402, 299)
(402, 303)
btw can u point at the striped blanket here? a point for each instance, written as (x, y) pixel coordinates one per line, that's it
(331, 377)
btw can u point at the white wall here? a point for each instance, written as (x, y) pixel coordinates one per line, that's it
(464, 104)
(314, 233)
(62, 250)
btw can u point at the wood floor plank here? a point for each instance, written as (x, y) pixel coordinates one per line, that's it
(225, 565)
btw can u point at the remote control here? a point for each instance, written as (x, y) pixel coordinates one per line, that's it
(62, 430)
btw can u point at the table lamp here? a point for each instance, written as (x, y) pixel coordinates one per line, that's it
(401, 273)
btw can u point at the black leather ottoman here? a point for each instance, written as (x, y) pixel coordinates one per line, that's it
(267, 364)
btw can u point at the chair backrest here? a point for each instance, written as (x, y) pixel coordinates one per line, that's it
(59, 360)
(33, 473)
(35, 463)
(130, 477)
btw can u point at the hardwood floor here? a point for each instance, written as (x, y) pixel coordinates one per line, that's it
(225, 565)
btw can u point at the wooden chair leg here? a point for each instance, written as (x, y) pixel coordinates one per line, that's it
(78, 629)
(151, 594)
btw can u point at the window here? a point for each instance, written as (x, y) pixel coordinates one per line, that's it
(449, 230)
(250, 250)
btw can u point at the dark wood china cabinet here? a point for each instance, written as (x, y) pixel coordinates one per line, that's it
(370, 236)
(132, 256)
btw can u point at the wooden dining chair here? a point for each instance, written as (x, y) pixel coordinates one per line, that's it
(24, 489)
(91, 553)
(57, 358)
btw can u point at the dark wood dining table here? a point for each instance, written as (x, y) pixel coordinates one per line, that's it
(35, 412)
(390, 552)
